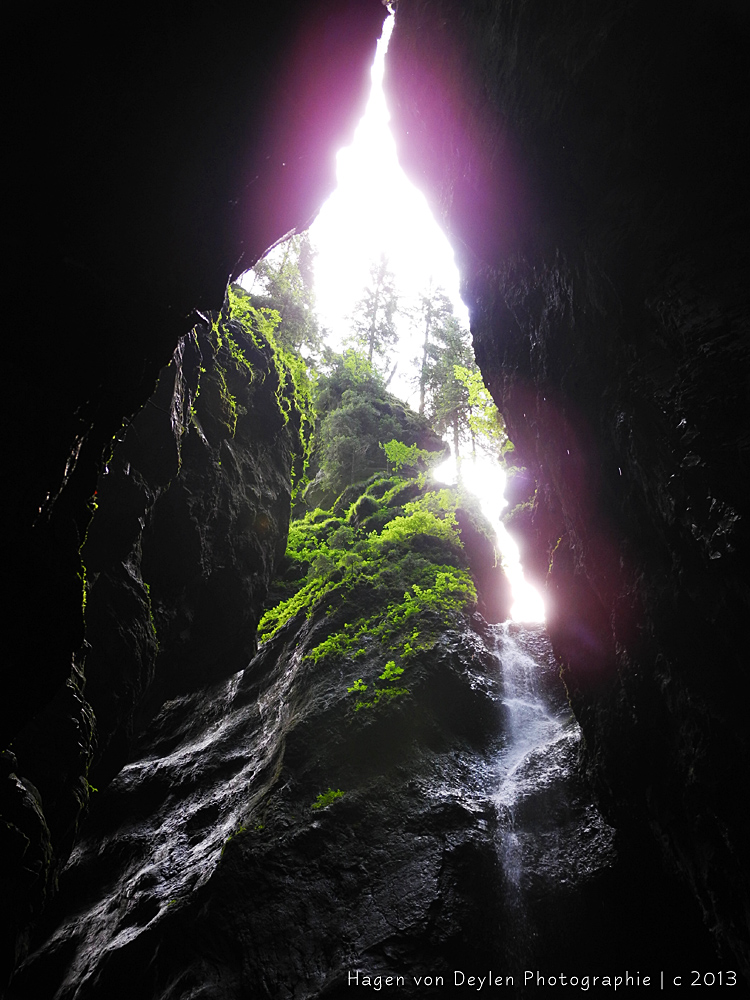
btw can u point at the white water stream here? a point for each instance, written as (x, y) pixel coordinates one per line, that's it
(551, 838)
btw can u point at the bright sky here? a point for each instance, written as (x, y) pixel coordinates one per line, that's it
(375, 209)
(486, 480)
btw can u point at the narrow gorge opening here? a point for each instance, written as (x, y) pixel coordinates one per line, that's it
(375, 257)
(302, 744)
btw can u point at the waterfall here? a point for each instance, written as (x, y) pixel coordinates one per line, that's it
(551, 839)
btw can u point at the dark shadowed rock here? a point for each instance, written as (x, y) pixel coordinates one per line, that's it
(155, 156)
(207, 870)
(589, 163)
(589, 167)
(191, 520)
(175, 148)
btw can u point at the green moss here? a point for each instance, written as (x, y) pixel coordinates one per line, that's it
(362, 508)
(294, 382)
(382, 696)
(402, 456)
(151, 619)
(325, 799)
(521, 512)
(384, 693)
(228, 401)
(385, 594)
(342, 562)
(233, 836)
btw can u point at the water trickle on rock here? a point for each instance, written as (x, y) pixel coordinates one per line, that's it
(551, 839)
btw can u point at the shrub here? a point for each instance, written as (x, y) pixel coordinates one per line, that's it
(394, 589)
(324, 799)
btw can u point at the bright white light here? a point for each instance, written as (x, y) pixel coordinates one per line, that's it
(528, 605)
(486, 480)
(375, 209)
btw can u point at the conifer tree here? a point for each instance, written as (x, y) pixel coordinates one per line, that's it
(284, 281)
(446, 398)
(456, 399)
(433, 312)
(374, 317)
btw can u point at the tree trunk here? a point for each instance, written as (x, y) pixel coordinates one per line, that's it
(456, 452)
(423, 373)
(374, 322)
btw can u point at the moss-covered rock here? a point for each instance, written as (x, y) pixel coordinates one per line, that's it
(192, 511)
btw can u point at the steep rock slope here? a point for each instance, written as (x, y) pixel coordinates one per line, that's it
(192, 517)
(330, 811)
(588, 162)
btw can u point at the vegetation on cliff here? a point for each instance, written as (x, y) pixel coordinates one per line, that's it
(378, 557)
(295, 381)
(384, 572)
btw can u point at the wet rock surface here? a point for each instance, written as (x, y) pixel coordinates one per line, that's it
(204, 869)
(210, 833)
(589, 167)
(191, 521)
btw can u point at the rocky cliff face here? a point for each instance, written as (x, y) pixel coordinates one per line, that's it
(589, 164)
(275, 836)
(153, 159)
(192, 517)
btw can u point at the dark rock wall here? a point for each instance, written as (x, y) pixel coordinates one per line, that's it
(155, 154)
(153, 158)
(191, 521)
(193, 516)
(159, 901)
(589, 163)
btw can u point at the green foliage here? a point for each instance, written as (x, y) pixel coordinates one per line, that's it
(283, 281)
(374, 318)
(373, 561)
(356, 414)
(406, 456)
(452, 391)
(391, 672)
(229, 401)
(484, 420)
(381, 696)
(447, 399)
(419, 522)
(435, 316)
(325, 799)
(258, 325)
(349, 438)
(150, 608)
(383, 593)
(235, 833)
(295, 383)
(350, 370)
